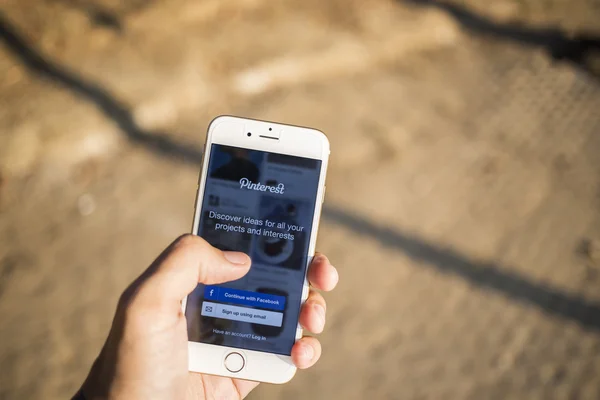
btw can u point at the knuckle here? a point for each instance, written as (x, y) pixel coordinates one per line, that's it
(189, 241)
(186, 240)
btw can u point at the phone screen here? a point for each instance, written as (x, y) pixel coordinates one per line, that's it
(262, 204)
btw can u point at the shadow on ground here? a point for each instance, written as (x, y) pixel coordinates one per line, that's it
(102, 16)
(112, 108)
(485, 275)
(578, 49)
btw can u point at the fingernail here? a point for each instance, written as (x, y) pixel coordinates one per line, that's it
(235, 257)
(320, 259)
(308, 352)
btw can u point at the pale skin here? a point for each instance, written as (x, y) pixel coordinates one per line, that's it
(146, 354)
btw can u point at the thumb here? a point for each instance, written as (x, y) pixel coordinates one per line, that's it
(186, 262)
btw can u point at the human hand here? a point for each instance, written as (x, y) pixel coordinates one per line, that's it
(146, 353)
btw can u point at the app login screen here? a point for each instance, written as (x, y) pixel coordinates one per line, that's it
(261, 204)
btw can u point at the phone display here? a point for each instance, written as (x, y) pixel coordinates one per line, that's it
(262, 204)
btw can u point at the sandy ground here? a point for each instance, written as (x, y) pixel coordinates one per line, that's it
(463, 193)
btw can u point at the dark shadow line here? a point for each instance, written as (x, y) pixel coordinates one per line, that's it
(485, 275)
(97, 14)
(102, 99)
(102, 16)
(556, 42)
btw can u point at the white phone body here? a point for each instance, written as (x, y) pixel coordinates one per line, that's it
(269, 137)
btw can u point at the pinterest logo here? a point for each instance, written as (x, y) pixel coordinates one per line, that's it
(245, 183)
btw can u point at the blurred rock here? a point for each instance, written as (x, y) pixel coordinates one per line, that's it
(86, 204)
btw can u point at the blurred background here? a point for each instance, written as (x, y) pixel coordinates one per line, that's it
(463, 201)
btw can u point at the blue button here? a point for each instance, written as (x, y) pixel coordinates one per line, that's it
(244, 297)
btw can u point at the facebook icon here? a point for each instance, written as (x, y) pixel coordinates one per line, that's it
(211, 292)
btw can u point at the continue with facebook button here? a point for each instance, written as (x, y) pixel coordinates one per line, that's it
(244, 297)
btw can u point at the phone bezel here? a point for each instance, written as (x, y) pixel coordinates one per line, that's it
(290, 140)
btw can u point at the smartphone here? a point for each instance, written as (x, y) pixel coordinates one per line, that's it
(260, 192)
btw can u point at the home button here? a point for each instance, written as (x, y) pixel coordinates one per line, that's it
(234, 362)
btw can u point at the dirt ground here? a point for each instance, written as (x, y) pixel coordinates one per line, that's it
(463, 201)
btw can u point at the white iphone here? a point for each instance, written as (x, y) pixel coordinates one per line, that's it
(260, 192)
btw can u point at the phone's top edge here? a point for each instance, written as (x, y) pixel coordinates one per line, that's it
(239, 118)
